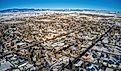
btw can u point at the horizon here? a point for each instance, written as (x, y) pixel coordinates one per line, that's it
(109, 5)
(62, 8)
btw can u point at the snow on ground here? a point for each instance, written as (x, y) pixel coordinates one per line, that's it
(8, 16)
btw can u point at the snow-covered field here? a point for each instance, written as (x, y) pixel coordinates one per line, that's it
(12, 15)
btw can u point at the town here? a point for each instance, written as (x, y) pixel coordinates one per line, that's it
(60, 41)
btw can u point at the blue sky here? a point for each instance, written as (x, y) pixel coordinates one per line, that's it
(113, 5)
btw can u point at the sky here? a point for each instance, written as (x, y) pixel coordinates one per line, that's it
(112, 5)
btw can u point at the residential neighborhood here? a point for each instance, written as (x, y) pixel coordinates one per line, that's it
(60, 41)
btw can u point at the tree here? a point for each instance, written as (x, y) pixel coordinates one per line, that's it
(12, 43)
